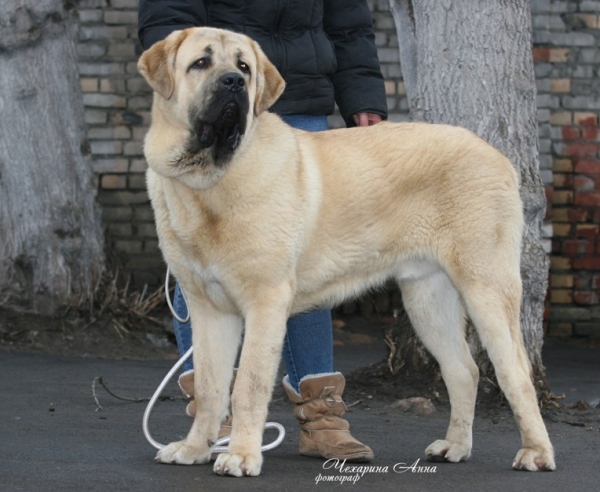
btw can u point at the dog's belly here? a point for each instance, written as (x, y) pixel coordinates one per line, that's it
(329, 289)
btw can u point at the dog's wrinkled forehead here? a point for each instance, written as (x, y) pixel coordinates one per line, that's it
(214, 48)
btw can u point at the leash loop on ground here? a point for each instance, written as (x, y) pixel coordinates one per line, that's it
(221, 444)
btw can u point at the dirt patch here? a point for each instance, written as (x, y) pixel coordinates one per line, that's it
(151, 337)
(376, 389)
(106, 337)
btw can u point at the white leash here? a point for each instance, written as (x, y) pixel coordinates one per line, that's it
(168, 297)
(221, 444)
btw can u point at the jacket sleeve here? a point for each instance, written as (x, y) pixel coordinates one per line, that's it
(358, 82)
(159, 18)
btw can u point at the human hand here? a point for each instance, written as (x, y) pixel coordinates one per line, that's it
(366, 119)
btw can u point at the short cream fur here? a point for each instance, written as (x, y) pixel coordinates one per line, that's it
(291, 220)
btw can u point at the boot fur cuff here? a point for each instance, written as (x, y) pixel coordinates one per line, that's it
(186, 383)
(291, 391)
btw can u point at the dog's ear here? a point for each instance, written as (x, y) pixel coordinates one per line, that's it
(270, 83)
(157, 63)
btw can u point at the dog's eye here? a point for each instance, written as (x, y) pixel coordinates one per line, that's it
(243, 66)
(201, 63)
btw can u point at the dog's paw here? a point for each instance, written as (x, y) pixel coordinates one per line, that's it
(532, 459)
(446, 451)
(238, 465)
(180, 453)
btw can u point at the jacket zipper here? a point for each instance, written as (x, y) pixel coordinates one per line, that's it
(279, 43)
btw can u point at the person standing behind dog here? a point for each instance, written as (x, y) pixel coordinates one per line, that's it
(325, 51)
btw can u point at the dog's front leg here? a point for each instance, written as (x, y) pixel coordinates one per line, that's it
(216, 338)
(261, 351)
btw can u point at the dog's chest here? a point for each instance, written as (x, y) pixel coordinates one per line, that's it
(208, 282)
(211, 279)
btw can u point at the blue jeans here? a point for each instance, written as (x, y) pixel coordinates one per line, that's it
(308, 344)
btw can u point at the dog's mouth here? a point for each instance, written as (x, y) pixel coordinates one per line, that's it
(226, 128)
(224, 134)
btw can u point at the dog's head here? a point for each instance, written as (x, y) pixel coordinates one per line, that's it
(208, 84)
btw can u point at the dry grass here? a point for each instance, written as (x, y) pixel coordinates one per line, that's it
(114, 298)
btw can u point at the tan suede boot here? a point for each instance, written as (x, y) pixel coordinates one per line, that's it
(319, 408)
(186, 384)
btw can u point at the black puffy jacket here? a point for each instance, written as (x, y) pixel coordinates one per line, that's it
(321, 47)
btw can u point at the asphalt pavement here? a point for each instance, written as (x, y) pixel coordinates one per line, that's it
(53, 438)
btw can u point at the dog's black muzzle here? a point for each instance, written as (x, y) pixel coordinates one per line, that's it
(223, 122)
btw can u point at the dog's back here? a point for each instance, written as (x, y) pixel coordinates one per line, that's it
(401, 200)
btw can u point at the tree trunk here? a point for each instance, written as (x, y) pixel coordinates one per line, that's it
(51, 244)
(469, 64)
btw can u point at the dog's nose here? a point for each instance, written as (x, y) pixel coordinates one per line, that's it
(233, 81)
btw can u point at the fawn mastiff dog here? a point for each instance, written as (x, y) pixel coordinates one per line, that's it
(259, 221)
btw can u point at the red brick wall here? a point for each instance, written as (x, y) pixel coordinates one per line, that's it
(566, 52)
(574, 206)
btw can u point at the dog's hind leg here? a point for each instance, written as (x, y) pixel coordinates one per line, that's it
(437, 315)
(216, 338)
(493, 304)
